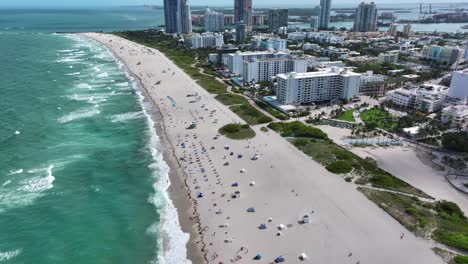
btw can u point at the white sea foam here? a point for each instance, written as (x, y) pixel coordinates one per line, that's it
(83, 113)
(6, 182)
(84, 86)
(39, 184)
(73, 73)
(70, 59)
(176, 251)
(67, 50)
(23, 190)
(17, 132)
(122, 84)
(13, 172)
(103, 75)
(7, 255)
(127, 116)
(90, 98)
(169, 230)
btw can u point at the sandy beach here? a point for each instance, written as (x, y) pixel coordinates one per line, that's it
(345, 227)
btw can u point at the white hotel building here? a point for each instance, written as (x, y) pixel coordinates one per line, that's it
(326, 85)
(204, 40)
(235, 61)
(257, 70)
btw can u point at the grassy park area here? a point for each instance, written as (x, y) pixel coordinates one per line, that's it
(347, 116)
(376, 117)
(237, 131)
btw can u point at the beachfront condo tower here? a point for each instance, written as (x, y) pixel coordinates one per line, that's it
(177, 16)
(311, 87)
(243, 13)
(366, 18)
(324, 17)
(277, 18)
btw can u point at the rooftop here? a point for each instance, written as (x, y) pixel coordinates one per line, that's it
(324, 72)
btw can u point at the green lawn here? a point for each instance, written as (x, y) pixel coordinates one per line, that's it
(237, 131)
(347, 116)
(231, 99)
(380, 118)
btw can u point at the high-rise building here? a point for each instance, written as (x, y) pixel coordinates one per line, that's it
(366, 17)
(277, 18)
(393, 29)
(214, 21)
(315, 18)
(204, 40)
(241, 31)
(458, 88)
(258, 70)
(324, 17)
(305, 88)
(243, 13)
(407, 30)
(177, 16)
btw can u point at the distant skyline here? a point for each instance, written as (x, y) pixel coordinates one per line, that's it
(258, 3)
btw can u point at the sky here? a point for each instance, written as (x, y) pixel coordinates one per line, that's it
(258, 3)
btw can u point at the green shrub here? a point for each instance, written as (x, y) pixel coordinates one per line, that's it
(339, 167)
(450, 210)
(456, 141)
(301, 142)
(297, 129)
(460, 259)
(453, 239)
(237, 131)
(264, 119)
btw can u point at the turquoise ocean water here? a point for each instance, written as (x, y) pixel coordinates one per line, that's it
(81, 177)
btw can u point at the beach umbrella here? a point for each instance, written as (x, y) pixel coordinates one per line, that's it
(232, 153)
(258, 256)
(242, 170)
(281, 227)
(239, 156)
(262, 226)
(235, 184)
(200, 195)
(251, 210)
(252, 183)
(303, 256)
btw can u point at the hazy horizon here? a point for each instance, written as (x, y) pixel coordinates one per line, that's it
(213, 3)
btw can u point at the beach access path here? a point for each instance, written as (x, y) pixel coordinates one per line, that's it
(345, 226)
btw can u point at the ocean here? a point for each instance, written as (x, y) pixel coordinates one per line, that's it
(82, 179)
